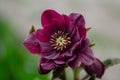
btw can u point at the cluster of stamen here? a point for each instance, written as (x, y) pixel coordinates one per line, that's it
(60, 40)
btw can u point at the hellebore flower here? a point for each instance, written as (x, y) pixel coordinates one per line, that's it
(61, 42)
(96, 68)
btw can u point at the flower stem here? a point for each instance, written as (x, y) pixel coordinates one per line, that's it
(59, 73)
(76, 73)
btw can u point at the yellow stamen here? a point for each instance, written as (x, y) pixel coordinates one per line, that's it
(60, 40)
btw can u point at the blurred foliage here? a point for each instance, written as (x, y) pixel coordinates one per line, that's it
(16, 63)
(111, 62)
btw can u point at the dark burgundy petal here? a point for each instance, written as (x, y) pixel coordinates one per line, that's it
(42, 36)
(68, 24)
(66, 53)
(45, 47)
(96, 68)
(85, 53)
(82, 32)
(50, 55)
(71, 59)
(57, 25)
(59, 62)
(85, 43)
(86, 57)
(77, 19)
(75, 37)
(53, 27)
(74, 48)
(45, 66)
(74, 63)
(48, 16)
(32, 43)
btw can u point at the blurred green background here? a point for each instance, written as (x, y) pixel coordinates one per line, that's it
(17, 16)
(15, 62)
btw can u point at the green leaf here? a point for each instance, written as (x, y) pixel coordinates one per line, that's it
(88, 29)
(91, 45)
(111, 62)
(32, 29)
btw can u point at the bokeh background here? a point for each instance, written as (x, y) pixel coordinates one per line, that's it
(17, 16)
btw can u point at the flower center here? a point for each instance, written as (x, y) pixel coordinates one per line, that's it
(60, 40)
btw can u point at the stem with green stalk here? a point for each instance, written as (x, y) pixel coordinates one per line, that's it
(59, 73)
(76, 72)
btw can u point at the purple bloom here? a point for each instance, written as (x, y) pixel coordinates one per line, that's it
(62, 41)
(96, 68)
